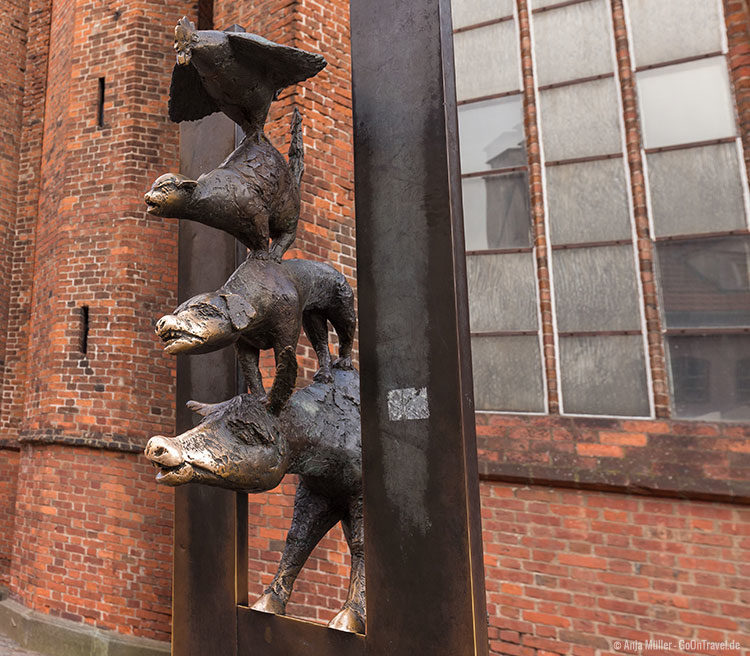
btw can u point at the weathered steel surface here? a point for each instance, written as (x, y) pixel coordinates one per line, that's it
(425, 589)
(261, 634)
(208, 521)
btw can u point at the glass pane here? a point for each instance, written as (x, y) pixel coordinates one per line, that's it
(580, 120)
(705, 282)
(471, 12)
(491, 134)
(686, 103)
(603, 375)
(696, 190)
(710, 376)
(502, 292)
(588, 201)
(665, 30)
(497, 213)
(595, 289)
(573, 42)
(486, 61)
(507, 374)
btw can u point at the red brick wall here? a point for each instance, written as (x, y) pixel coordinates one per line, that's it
(737, 13)
(572, 572)
(326, 228)
(93, 539)
(568, 571)
(8, 480)
(95, 246)
(13, 28)
(20, 270)
(320, 590)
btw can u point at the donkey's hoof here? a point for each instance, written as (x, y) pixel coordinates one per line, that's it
(348, 620)
(323, 375)
(270, 603)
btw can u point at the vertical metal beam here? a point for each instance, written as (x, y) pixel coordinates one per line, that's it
(210, 523)
(425, 584)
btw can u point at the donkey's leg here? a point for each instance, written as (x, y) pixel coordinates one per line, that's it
(352, 615)
(314, 516)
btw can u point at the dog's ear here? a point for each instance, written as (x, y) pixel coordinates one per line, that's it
(241, 313)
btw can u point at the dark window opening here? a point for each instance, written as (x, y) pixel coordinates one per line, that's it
(83, 341)
(100, 106)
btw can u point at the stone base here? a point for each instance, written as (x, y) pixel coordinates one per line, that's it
(53, 636)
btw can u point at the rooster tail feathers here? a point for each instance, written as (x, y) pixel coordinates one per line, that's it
(297, 148)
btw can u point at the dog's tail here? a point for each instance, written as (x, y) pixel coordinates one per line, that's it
(297, 148)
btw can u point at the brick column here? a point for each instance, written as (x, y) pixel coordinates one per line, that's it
(87, 379)
(737, 15)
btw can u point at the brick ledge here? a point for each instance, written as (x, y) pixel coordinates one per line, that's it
(679, 459)
(92, 440)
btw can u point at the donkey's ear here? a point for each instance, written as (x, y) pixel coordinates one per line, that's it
(203, 409)
(241, 312)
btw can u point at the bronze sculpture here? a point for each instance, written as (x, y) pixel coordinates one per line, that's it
(250, 442)
(254, 194)
(261, 306)
(241, 446)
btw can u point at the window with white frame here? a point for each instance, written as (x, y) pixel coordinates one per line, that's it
(698, 201)
(697, 194)
(503, 306)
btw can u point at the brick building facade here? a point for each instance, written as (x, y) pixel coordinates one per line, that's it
(614, 486)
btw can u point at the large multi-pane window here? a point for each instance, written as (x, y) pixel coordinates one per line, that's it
(594, 274)
(697, 191)
(697, 203)
(504, 313)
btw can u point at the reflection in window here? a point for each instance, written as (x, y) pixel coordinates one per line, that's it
(486, 61)
(588, 202)
(604, 375)
(666, 30)
(508, 373)
(573, 42)
(696, 190)
(691, 376)
(709, 391)
(742, 381)
(686, 103)
(497, 213)
(705, 282)
(491, 134)
(581, 120)
(502, 292)
(471, 12)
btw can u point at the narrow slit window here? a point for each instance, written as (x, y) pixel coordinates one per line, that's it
(83, 344)
(100, 104)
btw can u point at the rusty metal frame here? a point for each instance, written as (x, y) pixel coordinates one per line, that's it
(423, 533)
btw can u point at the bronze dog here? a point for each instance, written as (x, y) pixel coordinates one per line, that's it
(263, 305)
